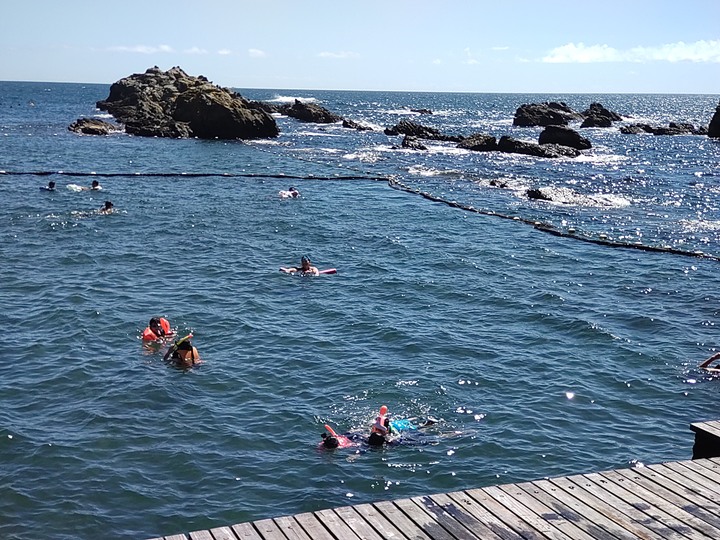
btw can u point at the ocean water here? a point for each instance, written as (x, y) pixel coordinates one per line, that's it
(541, 355)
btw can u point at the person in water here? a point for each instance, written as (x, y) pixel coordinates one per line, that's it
(707, 363)
(291, 193)
(380, 429)
(95, 186)
(329, 440)
(305, 268)
(49, 187)
(157, 328)
(107, 208)
(183, 354)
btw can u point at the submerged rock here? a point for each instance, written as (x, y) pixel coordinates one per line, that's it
(174, 104)
(308, 112)
(412, 143)
(406, 127)
(479, 143)
(515, 146)
(673, 128)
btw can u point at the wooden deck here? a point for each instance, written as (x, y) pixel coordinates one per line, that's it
(676, 500)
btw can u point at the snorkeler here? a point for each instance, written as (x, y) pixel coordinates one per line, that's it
(183, 354)
(380, 429)
(107, 208)
(49, 187)
(305, 268)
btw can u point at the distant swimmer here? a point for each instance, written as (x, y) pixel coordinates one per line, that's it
(291, 193)
(95, 186)
(305, 268)
(49, 187)
(183, 354)
(707, 363)
(158, 328)
(107, 208)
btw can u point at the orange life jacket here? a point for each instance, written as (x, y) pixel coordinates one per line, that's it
(149, 335)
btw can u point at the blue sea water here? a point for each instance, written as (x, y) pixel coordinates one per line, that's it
(542, 355)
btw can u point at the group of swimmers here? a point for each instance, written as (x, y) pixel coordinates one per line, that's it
(182, 353)
(106, 208)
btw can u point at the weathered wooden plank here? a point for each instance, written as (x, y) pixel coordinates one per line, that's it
(269, 530)
(674, 507)
(423, 520)
(335, 525)
(291, 528)
(201, 535)
(711, 428)
(223, 533)
(459, 514)
(357, 523)
(632, 505)
(712, 475)
(445, 520)
(708, 464)
(498, 518)
(397, 517)
(693, 481)
(674, 493)
(312, 526)
(379, 522)
(526, 514)
(246, 531)
(176, 537)
(538, 501)
(583, 505)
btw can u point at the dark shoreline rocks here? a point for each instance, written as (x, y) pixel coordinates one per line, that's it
(93, 126)
(308, 112)
(406, 127)
(673, 128)
(564, 136)
(713, 129)
(174, 104)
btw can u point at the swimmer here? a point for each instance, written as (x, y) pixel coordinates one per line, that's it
(158, 328)
(95, 186)
(291, 193)
(707, 363)
(49, 187)
(107, 208)
(380, 429)
(182, 354)
(305, 268)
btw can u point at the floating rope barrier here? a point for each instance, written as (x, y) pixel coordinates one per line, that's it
(601, 239)
(392, 182)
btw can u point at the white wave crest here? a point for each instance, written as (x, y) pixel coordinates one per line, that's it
(291, 99)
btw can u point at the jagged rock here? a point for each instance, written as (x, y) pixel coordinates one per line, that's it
(564, 136)
(354, 125)
(598, 116)
(596, 121)
(309, 112)
(515, 146)
(713, 129)
(412, 143)
(406, 127)
(479, 143)
(537, 194)
(174, 104)
(93, 126)
(673, 128)
(421, 111)
(544, 114)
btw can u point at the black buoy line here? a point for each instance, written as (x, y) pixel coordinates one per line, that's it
(393, 182)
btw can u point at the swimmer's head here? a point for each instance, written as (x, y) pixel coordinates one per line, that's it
(328, 441)
(51, 184)
(154, 324)
(292, 188)
(184, 346)
(95, 183)
(108, 205)
(305, 261)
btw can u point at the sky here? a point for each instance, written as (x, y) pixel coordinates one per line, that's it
(554, 46)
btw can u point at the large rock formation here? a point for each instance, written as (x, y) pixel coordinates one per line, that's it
(714, 127)
(598, 116)
(406, 127)
(544, 114)
(174, 104)
(515, 146)
(564, 136)
(479, 143)
(308, 112)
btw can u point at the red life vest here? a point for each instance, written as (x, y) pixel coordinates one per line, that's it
(149, 335)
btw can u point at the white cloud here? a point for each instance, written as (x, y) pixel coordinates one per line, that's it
(256, 53)
(437, 61)
(143, 49)
(338, 55)
(469, 57)
(195, 50)
(499, 48)
(224, 52)
(699, 51)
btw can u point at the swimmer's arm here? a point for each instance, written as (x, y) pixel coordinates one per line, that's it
(706, 363)
(314, 271)
(288, 270)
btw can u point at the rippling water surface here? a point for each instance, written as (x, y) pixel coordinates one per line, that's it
(542, 355)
